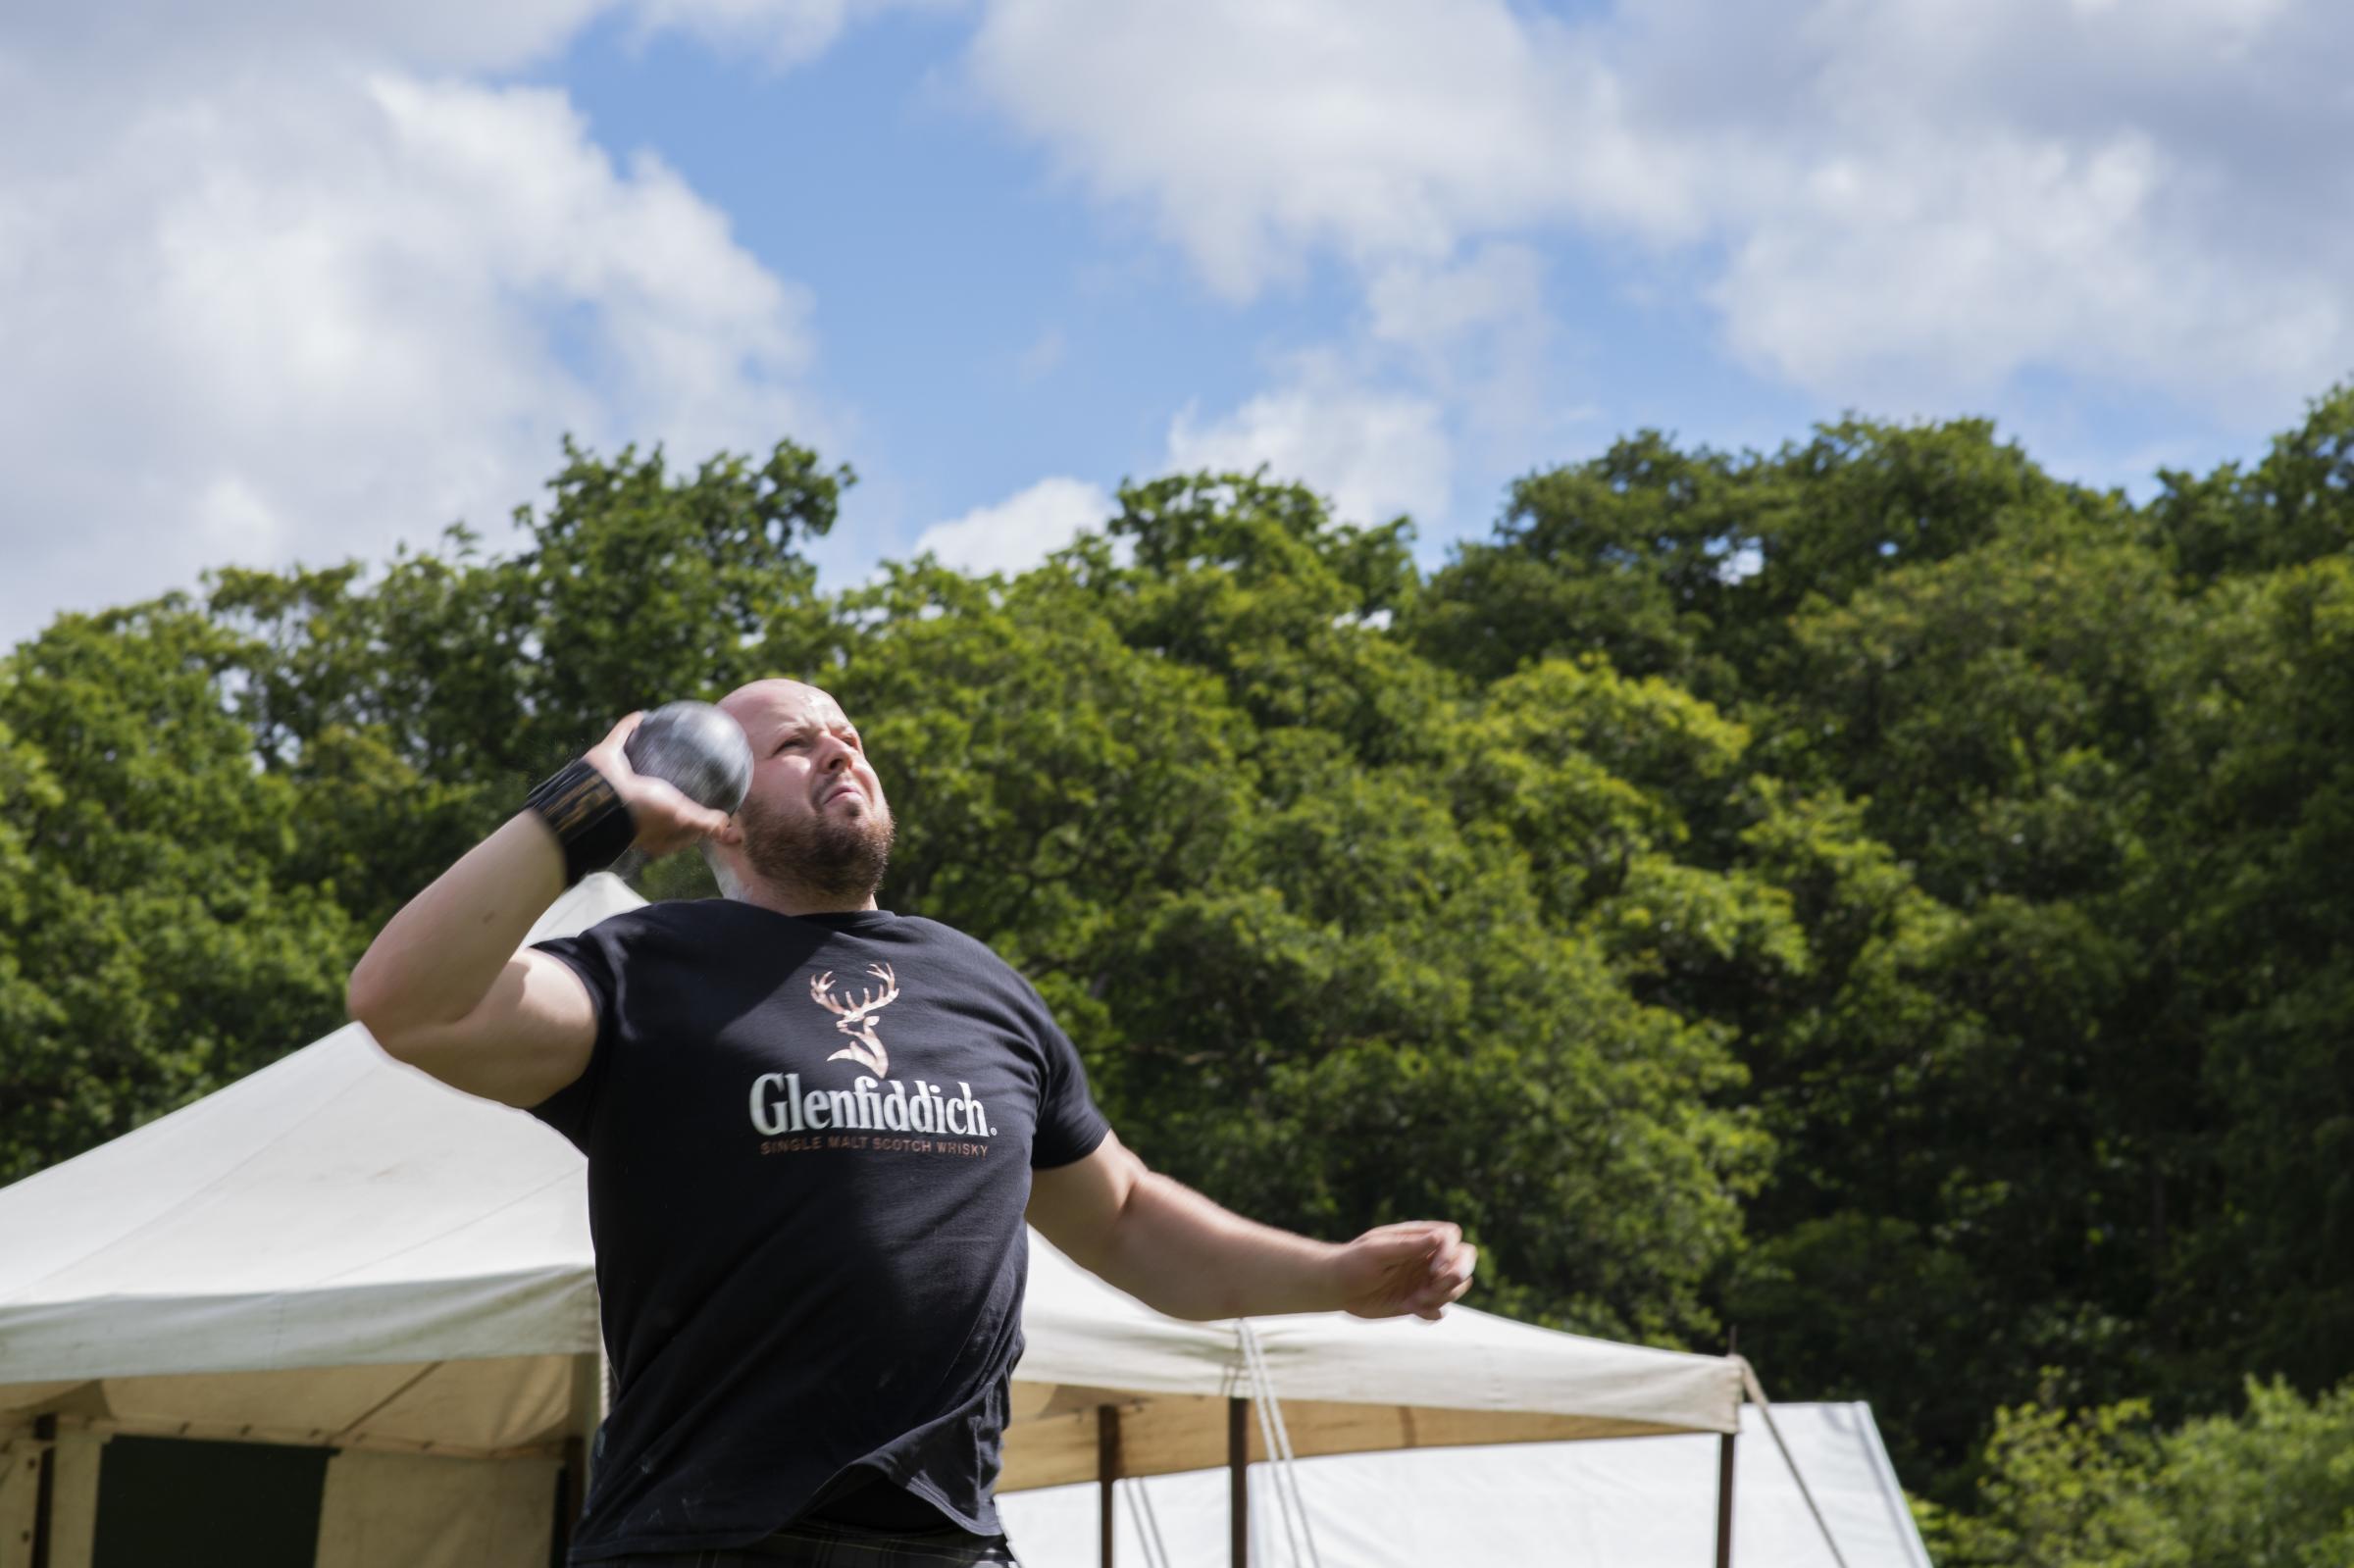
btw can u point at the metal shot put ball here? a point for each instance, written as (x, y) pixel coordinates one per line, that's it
(696, 747)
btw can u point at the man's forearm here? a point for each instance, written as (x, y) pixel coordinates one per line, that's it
(1182, 1254)
(435, 960)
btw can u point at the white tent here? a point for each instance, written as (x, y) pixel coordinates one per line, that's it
(338, 1251)
(1632, 1502)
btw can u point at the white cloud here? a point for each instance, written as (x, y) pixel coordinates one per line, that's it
(278, 280)
(1906, 202)
(1478, 335)
(2024, 253)
(270, 285)
(265, 318)
(1373, 453)
(789, 32)
(2133, 196)
(1428, 307)
(1255, 133)
(102, 41)
(116, 35)
(1021, 531)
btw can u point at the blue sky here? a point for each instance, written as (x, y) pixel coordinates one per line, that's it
(301, 281)
(986, 324)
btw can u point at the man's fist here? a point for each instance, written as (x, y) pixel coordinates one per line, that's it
(1416, 1267)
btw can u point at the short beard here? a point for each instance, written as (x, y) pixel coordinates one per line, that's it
(835, 859)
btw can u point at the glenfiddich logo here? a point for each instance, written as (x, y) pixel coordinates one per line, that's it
(939, 1123)
(857, 1019)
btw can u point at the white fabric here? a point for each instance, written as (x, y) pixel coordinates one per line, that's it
(1631, 1502)
(332, 1208)
(1083, 1332)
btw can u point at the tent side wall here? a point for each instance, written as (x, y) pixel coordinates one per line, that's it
(65, 1464)
(502, 1407)
(1643, 1504)
(393, 1491)
(390, 1510)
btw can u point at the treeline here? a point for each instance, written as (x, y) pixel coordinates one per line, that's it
(1874, 895)
(2108, 1489)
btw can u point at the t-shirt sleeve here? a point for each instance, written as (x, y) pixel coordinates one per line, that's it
(595, 956)
(1069, 1126)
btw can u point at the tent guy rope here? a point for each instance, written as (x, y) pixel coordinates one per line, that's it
(1756, 1396)
(1278, 1438)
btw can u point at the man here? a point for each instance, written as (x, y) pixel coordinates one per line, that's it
(814, 1129)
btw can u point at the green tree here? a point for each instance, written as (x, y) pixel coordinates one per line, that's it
(154, 943)
(2258, 785)
(2272, 1487)
(2066, 1491)
(1873, 893)
(2296, 505)
(415, 710)
(1202, 796)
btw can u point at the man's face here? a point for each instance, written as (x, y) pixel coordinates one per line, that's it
(815, 816)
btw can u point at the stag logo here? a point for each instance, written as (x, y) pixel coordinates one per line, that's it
(857, 1018)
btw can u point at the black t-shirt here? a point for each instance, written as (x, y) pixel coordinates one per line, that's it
(809, 1148)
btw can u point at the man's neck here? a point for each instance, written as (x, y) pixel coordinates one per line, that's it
(787, 898)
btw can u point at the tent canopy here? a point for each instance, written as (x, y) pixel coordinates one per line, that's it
(339, 1249)
(1627, 1504)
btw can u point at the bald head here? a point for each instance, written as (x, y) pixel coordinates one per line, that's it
(814, 833)
(758, 701)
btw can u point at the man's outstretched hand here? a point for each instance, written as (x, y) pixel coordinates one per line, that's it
(1416, 1267)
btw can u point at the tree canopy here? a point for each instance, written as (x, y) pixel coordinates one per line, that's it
(1874, 893)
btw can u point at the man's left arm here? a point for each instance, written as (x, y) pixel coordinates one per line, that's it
(1179, 1253)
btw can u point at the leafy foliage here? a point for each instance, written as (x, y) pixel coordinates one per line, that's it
(1871, 893)
(2100, 1489)
(156, 938)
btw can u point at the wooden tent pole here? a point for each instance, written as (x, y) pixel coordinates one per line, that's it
(45, 1432)
(1724, 1464)
(1724, 1501)
(1238, 1480)
(1107, 1468)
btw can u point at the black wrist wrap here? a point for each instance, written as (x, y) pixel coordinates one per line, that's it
(587, 817)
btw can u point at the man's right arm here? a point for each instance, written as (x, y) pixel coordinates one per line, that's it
(444, 989)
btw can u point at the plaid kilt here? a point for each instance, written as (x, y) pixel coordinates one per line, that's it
(810, 1545)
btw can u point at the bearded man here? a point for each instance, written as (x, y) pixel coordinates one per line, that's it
(814, 1131)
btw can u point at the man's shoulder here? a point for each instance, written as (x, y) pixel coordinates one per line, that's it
(652, 921)
(967, 951)
(701, 924)
(924, 929)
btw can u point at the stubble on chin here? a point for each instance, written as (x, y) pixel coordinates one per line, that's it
(831, 854)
